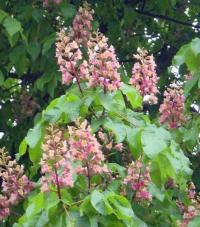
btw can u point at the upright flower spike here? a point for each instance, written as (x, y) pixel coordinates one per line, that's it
(103, 64)
(82, 25)
(172, 109)
(85, 149)
(189, 211)
(69, 58)
(15, 185)
(56, 161)
(138, 179)
(144, 76)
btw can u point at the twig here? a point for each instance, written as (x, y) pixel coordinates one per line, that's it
(57, 183)
(163, 17)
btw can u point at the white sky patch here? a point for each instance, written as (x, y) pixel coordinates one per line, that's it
(1, 135)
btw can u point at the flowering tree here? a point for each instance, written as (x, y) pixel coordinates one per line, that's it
(108, 142)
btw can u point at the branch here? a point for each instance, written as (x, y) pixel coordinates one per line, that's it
(166, 18)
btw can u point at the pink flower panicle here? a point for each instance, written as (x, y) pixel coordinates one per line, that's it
(171, 111)
(86, 150)
(103, 63)
(139, 179)
(70, 60)
(56, 161)
(144, 76)
(189, 211)
(82, 25)
(15, 185)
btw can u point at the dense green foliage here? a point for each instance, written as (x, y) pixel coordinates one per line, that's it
(32, 97)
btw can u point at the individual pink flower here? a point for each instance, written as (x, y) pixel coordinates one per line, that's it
(144, 76)
(138, 178)
(56, 161)
(103, 64)
(70, 59)
(82, 25)
(85, 149)
(118, 147)
(172, 109)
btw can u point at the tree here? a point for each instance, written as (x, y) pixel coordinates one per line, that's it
(99, 113)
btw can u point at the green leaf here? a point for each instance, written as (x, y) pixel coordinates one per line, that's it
(50, 200)
(112, 101)
(156, 192)
(34, 135)
(34, 50)
(12, 26)
(87, 208)
(134, 140)
(22, 147)
(195, 46)
(132, 95)
(190, 84)
(36, 204)
(118, 128)
(1, 78)
(194, 222)
(35, 153)
(162, 169)
(154, 140)
(100, 203)
(116, 168)
(121, 206)
(42, 220)
(49, 41)
(2, 15)
(68, 10)
(19, 59)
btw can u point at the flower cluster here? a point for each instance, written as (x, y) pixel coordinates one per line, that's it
(46, 2)
(107, 141)
(28, 104)
(101, 68)
(85, 149)
(56, 161)
(144, 76)
(15, 185)
(82, 25)
(103, 64)
(139, 179)
(191, 211)
(70, 59)
(171, 111)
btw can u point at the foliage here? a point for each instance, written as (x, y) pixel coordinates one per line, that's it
(86, 127)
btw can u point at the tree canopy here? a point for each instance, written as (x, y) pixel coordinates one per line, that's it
(113, 87)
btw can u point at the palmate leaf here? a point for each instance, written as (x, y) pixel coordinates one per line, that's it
(154, 140)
